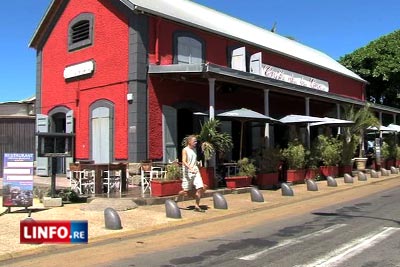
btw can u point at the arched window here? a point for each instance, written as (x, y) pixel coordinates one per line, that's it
(189, 49)
(80, 32)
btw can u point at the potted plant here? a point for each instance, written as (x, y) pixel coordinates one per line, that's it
(312, 164)
(169, 183)
(294, 155)
(247, 170)
(328, 149)
(362, 118)
(212, 141)
(268, 161)
(385, 154)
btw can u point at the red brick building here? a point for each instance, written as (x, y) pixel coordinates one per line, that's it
(126, 76)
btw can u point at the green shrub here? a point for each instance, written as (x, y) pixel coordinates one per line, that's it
(294, 155)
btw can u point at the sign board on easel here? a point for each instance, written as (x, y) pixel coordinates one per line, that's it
(18, 180)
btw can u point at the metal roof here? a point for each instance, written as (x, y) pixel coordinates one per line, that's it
(196, 15)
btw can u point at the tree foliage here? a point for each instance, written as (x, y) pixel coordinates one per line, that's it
(379, 64)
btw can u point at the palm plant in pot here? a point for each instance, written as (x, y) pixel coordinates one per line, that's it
(212, 141)
(354, 134)
(294, 156)
(268, 160)
(247, 171)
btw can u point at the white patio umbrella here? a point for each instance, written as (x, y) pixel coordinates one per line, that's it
(298, 119)
(394, 127)
(332, 121)
(243, 115)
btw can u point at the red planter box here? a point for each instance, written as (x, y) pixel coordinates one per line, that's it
(329, 171)
(238, 181)
(295, 176)
(345, 169)
(311, 173)
(207, 174)
(160, 188)
(267, 180)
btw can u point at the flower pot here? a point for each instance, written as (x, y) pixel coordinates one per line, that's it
(160, 188)
(345, 169)
(360, 163)
(295, 176)
(329, 171)
(311, 173)
(267, 180)
(390, 163)
(238, 181)
(207, 174)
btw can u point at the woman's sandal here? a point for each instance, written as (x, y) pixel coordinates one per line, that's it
(199, 209)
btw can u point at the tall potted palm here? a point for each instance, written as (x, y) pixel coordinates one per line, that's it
(212, 141)
(353, 135)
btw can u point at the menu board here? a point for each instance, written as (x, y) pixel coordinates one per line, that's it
(18, 180)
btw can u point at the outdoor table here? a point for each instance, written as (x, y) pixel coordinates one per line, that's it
(100, 167)
(231, 168)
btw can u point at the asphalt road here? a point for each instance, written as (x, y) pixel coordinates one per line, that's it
(364, 232)
(357, 232)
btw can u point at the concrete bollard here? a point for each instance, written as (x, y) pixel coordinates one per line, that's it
(331, 181)
(374, 174)
(362, 176)
(172, 210)
(385, 172)
(112, 219)
(348, 179)
(393, 170)
(256, 195)
(286, 190)
(219, 201)
(311, 185)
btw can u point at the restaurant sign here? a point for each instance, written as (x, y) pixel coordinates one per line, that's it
(276, 73)
(18, 180)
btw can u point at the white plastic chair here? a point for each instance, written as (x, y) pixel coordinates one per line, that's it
(112, 180)
(147, 175)
(88, 182)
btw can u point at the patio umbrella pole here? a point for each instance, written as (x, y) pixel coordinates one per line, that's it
(241, 139)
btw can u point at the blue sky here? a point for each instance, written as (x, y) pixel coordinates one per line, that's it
(334, 27)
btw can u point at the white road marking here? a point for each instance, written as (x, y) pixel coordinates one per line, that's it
(351, 249)
(293, 241)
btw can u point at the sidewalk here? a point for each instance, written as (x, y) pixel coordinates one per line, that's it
(144, 219)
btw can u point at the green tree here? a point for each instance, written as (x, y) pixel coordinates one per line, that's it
(379, 64)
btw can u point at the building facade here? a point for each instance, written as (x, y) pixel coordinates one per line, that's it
(127, 77)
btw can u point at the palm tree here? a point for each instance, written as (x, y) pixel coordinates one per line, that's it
(212, 140)
(354, 134)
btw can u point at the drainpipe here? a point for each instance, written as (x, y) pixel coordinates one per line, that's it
(156, 48)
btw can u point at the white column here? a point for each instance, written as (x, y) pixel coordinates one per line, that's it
(266, 113)
(308, 125)
(338, 115)
(394, 118)
(211, 95)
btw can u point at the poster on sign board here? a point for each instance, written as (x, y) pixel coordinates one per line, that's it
(18, 180)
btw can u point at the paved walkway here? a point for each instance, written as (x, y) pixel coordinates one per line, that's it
(146, 218)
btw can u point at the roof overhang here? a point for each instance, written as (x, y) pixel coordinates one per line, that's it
(226, 74)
